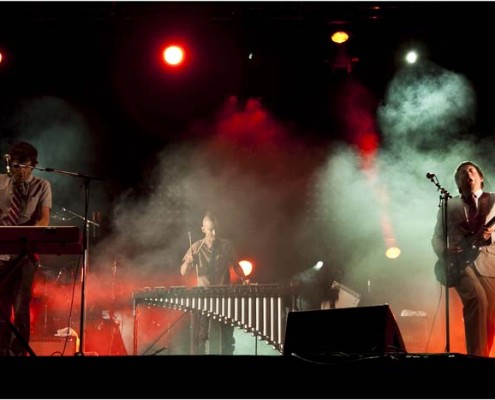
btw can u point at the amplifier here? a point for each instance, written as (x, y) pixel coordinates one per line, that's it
(54, 346)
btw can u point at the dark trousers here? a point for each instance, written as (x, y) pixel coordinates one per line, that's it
(16, 281)
(218, 335)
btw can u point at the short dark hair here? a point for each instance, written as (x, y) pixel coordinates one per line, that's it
(23, 152)
(462, 164)
(211, 216)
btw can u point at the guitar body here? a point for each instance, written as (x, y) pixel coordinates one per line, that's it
(451, 274)
(456, 263)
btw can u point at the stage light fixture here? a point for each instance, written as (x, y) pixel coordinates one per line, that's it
(340, 57)
(174, 55)
(318, 266)
(339, 37)
(411, 57)
(392, 252)
(247, 267)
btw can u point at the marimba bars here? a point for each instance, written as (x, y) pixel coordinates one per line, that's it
(260, 309)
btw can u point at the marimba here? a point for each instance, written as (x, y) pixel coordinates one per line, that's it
(260, 309)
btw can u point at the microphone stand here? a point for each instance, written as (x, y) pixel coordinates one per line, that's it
(87, 180)
(444, 198)
(90, 222)
(192, 344)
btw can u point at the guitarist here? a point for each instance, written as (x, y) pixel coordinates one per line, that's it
(470, 255)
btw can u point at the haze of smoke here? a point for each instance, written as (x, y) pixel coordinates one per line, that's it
(423, 104)
(64, 141)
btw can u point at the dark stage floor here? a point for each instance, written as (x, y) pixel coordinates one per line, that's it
(449, 375)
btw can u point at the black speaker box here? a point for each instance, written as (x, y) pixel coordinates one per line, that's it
(356, 330)
(54, 346)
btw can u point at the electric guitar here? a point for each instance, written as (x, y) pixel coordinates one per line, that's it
(471, 245)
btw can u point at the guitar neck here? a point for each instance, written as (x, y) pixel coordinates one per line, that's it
(490, 223)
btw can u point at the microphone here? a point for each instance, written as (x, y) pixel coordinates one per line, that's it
(429, 175)
(8, 167)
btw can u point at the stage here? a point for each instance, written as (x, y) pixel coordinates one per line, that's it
(360, 376)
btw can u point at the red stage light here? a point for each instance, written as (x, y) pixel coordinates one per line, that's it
(174, 55)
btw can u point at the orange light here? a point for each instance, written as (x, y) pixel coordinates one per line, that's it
(247, 267)
(339, 37)
(173, 55)
(392, 252)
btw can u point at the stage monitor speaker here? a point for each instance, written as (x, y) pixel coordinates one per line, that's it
(356, 330)
(53, 346)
